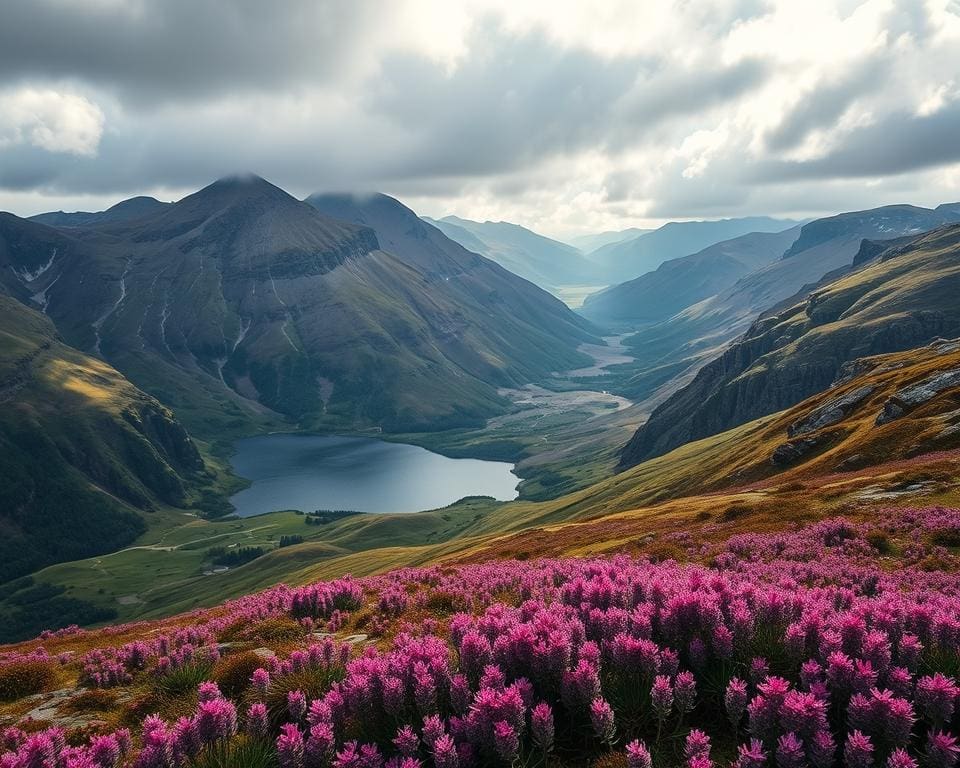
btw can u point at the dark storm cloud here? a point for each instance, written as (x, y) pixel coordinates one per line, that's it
(179, 49)
(898, 143)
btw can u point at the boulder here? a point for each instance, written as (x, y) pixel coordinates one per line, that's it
(830, 412)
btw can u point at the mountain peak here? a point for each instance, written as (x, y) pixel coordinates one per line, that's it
(238, 188)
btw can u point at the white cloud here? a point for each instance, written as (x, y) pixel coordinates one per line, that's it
(52, 120)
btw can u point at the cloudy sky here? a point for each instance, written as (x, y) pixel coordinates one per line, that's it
(564, 116)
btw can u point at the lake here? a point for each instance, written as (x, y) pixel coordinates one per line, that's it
(309, 472)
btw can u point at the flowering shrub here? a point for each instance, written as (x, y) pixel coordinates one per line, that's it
(796, 650)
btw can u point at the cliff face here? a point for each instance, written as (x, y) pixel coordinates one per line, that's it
(897, 303)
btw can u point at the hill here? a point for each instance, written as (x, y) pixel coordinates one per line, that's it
(82, 451)
(543, 261)
(240, 303)
(903, 298)
(680, 283)
(628, 259)
(125, 210)
(588, 243)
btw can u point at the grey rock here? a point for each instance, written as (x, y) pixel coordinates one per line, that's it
(830, 412)
(917, 394)
(790, 452)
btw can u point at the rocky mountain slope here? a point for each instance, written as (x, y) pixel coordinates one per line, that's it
(903, 298)
(81, 449)
(240, 301)
(543, 261)
(698, 333)
(685, 281)
(626, 260)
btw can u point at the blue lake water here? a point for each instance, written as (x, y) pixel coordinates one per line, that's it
(309, 472)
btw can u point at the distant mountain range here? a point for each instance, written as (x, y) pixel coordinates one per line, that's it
(545, 262)
(588, 243)
(682, 282)
(902, 297)
(699, 332)
(240, 300)
(628, 259)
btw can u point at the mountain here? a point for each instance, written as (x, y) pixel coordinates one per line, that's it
(694, 335)
(539, 259)
(82, 451)
(125, 210)
(588, 243)
(904, 298)
(240, 302)
(631, 258)
(680, 283)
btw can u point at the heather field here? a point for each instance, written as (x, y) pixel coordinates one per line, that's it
(833, 643)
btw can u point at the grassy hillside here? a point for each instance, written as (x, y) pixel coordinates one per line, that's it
(728, 480)
(83, 453)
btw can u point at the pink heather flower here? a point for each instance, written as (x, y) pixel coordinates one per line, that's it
(759, 669)
(638, 756)
(187, 739)
(296, 705)
(260, 680)
(445, 752)
(909, 651)
(803, 713)
(601, 717)
(208, 691)
(936, 696)
(541, 726)
(505, 741)
(104, 751)
(432, 730)
(900, 759)
(790, 752)
(258, 722)
(900, 681)
(669, 662)
(881, 715)
(661, 696)
(697, 744)
(216, 720)
(290, 746)
(406, 741)
(460, 693)
(13, 738)
(751, 755)
(320, 746)
(822, 750)
(858, 751)
(942, 750)
(685, 692)
(735, 701)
